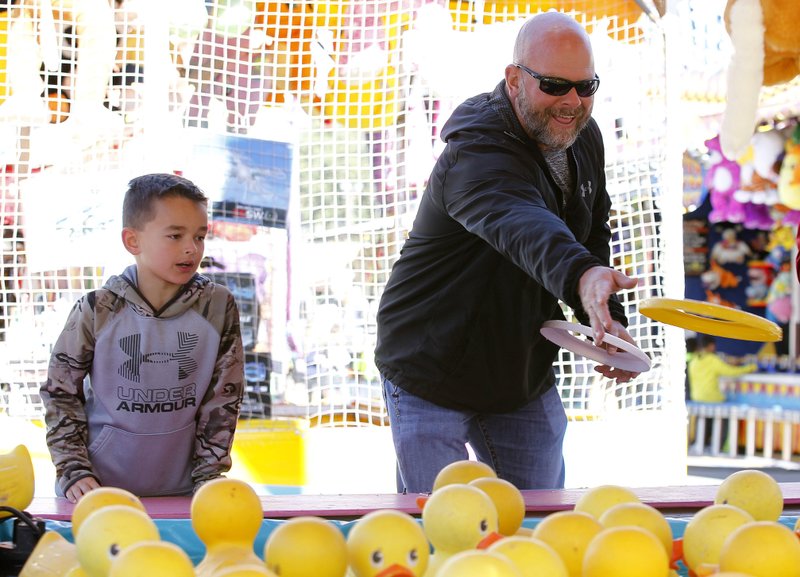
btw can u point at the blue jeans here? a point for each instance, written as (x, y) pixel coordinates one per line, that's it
(524, 446)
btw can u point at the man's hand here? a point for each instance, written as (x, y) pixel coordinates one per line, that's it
(620, 375)
(80, 488)
(595, 287)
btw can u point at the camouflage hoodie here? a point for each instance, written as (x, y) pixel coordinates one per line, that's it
(158, 412)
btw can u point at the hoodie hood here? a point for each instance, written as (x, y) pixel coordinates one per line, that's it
(126, 286)
(471, 116)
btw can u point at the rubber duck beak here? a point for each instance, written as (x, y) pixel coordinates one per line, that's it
(677, 553)
(493, 537)
(396, 570)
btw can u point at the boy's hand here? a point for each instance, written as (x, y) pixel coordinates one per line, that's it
(80, 488)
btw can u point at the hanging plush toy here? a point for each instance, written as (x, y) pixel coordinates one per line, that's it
(766, 51)
(759, 177)
(36, 42)
(779, 297)
(730, 249)
(789, 179)
(758, 217)
(790, 217)
(718, 299)
(224, 67)
(779, 247)
(297, 58)
(759, 277)
(722, 180)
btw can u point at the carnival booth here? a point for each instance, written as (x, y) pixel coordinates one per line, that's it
(740, 225)
(313, 127)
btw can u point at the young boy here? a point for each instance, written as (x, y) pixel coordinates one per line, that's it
(162, 348)
(704, 370)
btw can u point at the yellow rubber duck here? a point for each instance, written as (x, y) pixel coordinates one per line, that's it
(53, 556)
(226, 514)
(152, 559)
(99, 498)
(597, 500)
(532, 557)
(456, 518)
(569, 534)
(627, 551)
(107, 532)
(16, 479)
(56, 556)
(706, 533)
(476, 563)
(306, 546)
(641, 515)
(462, 472)
(245, 571)
(387, 543)
(507, 499)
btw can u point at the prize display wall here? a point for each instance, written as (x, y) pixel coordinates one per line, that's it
(740, 228)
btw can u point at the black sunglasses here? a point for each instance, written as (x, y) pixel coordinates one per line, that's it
(555, 86)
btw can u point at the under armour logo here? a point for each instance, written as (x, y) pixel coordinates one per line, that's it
(586, 189)
(131, 346)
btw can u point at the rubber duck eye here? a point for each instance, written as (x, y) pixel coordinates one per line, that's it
(377, 558)
(413, 557)
(113, 549)
(484, 525)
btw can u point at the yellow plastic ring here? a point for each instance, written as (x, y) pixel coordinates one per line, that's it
(711, 319)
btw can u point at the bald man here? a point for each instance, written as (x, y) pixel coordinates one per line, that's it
(514, 218)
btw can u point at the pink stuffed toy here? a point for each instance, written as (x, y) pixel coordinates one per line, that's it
(722, 180)
(791, 217)
(758, 216)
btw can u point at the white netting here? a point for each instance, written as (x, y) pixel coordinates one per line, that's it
(313, 126)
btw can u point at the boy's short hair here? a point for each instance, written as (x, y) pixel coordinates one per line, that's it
(137, 208)
(703, 341)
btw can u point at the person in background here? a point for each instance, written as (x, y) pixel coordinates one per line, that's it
(162, 349)
(704, 371)
(513, 220)
(691, 350)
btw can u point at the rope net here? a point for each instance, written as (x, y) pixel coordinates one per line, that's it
(312, 126)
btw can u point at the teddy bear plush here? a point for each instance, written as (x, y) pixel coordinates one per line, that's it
(759, 168)
(766, 52)
(33, 44)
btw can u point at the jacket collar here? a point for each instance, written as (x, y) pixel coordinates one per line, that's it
(501, 103)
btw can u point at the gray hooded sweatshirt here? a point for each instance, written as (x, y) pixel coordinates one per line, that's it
(157, 414)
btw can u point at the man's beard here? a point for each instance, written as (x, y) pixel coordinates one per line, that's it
(537, 124)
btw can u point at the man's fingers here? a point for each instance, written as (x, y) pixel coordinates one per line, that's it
(601, 322)
(612, 373)
(598, 331)
(624, 281)
(595, 288)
